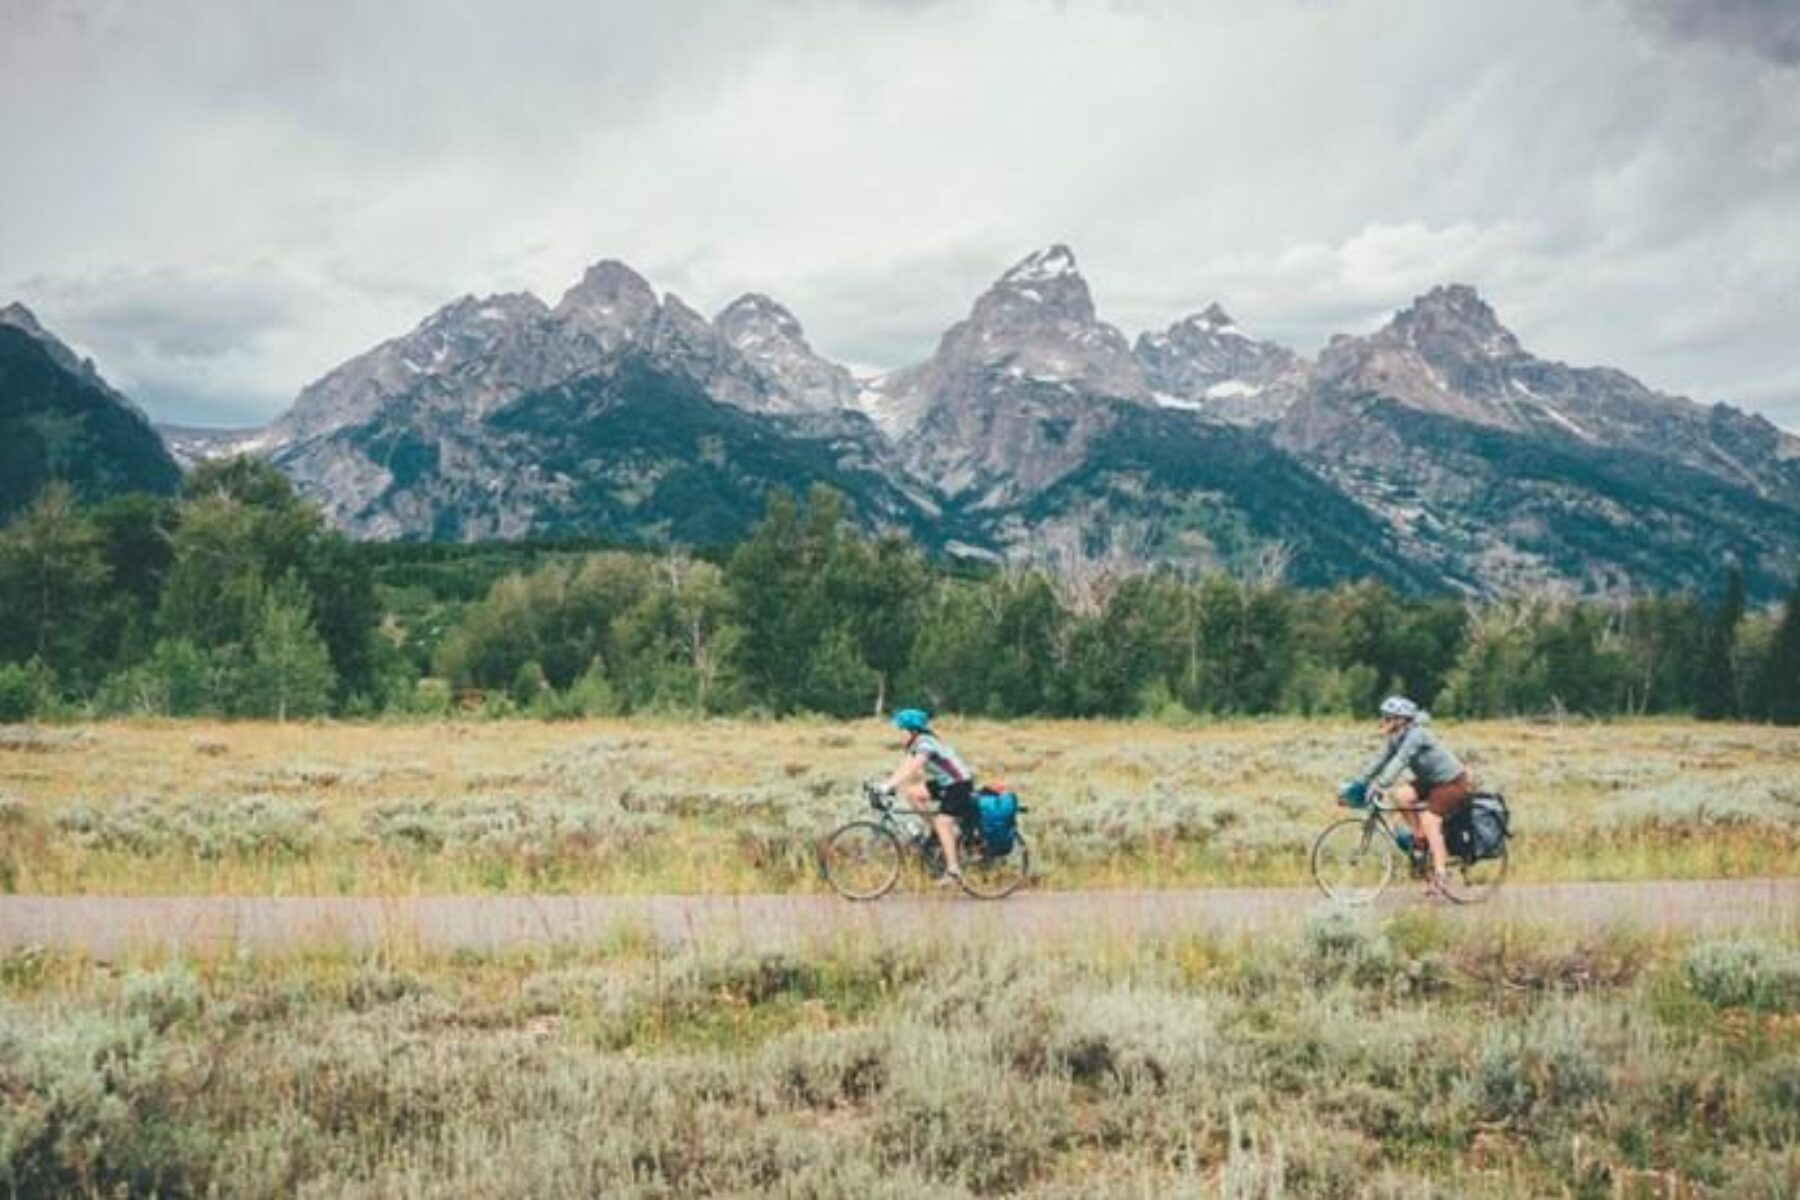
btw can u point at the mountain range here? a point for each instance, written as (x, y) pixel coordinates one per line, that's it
(59, 420)
(1434, 453)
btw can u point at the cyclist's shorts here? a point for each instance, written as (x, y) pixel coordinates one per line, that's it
(1446, 798)
(958, 799)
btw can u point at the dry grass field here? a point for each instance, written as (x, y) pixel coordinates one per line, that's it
(630, 806)
(1345, 1058)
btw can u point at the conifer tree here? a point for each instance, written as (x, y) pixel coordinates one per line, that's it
(52, 573)
(289, 673)
(1716, 693)
(1780, 684)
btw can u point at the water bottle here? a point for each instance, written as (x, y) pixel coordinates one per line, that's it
(1403, 837)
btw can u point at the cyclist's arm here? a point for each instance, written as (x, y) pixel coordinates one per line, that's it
(1374, 765)
(911, 770)
(1397, 761)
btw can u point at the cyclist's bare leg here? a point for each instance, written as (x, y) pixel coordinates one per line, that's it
(1406, 798)
(919, 796)
(1434, 837)
(947, 831)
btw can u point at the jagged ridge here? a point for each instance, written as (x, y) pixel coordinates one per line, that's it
(1434, 451)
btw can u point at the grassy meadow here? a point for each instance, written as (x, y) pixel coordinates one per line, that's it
(1343, 1058)
(634, 806)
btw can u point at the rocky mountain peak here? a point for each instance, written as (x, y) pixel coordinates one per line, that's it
(611, 296)
(681, 339)
(22, 318)
(1452, 321)
(1016, 392)
(679, 314)
(1054, 262)
(1038, 324)
(1213, 317)
(17, 316)
(1205, 363)
(1446, 353)
(771, 340)
(476, 314)
(25, 321)
(59, 421)
(1044, 286)
(754, 318)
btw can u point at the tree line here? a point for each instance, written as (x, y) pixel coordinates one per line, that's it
(235, 599)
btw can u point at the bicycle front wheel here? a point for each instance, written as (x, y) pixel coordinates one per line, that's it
(861, 860)
(1472, 882)
(1353, 860)
(991, 877)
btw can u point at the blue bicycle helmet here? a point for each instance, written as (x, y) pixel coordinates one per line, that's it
(913, 720)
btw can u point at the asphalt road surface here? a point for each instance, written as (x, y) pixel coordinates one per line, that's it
(106, 926)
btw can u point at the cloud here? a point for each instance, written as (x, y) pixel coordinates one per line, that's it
(212, 344)
(1770, 28)
(222, 201)
(174, 313)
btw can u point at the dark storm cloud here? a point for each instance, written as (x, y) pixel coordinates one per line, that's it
(171, 313)
(1770, 28)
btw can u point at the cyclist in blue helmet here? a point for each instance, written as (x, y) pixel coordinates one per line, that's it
(932, 772)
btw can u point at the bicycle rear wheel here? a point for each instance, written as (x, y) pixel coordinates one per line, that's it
(1471, 882)
(992, 877)
(1353, 860)
(861, 860)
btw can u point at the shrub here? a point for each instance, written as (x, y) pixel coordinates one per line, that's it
(1340, 944)
(512, 831)
(839, 1068)
(372, 986)
(953, 1113)
(432, 698)
(1591, 964)
(26, 691)
(1522, 1075)
(1777, 1086)
(529, 683)
(241, 827)
(591, 695)
(92, 1109)
(1128, 1039)
(176, 681)
(1688, 807)
(1745, 973)
(163, 998)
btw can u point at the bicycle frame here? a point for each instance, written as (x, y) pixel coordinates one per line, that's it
(906, 822)
(911, 833)
(1378, 814)
(1467, 880)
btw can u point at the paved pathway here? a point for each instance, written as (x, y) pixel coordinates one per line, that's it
(107, 925)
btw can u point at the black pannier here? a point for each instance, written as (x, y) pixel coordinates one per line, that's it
(1479, 829)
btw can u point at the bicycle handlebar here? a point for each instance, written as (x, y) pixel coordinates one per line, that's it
(1379, 802)
(884, 801)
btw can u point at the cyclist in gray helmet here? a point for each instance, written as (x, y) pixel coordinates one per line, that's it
(1440, 783)
(932, 771)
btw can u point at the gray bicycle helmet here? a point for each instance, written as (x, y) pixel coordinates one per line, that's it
(1400, 706)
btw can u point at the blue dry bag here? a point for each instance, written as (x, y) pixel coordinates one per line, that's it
(997, 816)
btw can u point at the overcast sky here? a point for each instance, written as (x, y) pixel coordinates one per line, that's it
(221, 201)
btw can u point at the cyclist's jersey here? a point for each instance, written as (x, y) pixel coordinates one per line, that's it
(942, 766)
(1417, 749)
